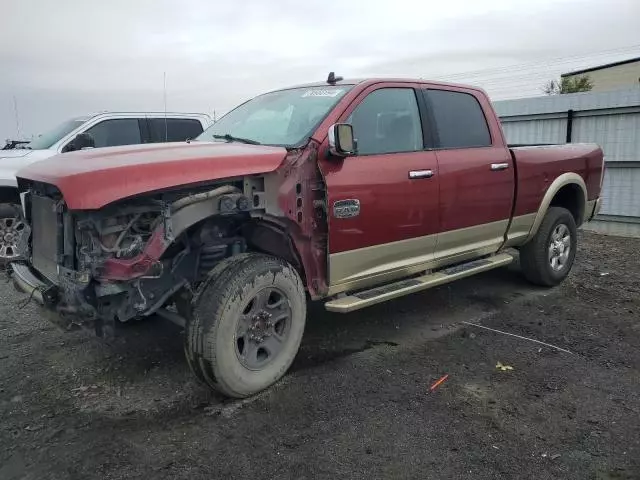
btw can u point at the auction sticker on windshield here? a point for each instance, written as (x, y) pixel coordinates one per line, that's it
(318, 92)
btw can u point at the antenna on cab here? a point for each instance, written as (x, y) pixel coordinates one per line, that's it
(332, 79)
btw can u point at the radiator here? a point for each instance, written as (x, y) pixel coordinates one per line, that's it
(44, 237)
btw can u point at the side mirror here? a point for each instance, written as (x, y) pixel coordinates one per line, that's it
(341, 141)
(82, 140)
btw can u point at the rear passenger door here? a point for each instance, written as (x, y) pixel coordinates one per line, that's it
(476, 175)
(173, 129)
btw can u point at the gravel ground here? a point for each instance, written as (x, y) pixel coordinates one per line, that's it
(356, 403)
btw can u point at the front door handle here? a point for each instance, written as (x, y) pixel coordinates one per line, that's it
(414, 174)
(499, 166)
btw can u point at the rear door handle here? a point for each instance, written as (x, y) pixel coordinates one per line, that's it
(499, 166)
(414, 174)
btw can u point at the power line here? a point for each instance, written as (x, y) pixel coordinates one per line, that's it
(550, 62)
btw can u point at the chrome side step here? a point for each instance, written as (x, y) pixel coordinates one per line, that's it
(366, 298)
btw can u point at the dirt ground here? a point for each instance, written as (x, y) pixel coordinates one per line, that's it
(356, 403)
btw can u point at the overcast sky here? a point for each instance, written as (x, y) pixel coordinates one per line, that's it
(69, 57)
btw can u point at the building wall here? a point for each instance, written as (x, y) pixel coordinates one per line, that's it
(612, 78)
(610, 119)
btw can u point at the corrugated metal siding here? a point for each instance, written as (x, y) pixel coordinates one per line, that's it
(621, 192)
(618, 135)
(561, 103)
(536, 131)
(610, 119)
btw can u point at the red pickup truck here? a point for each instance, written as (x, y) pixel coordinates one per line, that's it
(351, 192)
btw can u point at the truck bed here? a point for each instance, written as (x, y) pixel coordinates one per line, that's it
(538, 165)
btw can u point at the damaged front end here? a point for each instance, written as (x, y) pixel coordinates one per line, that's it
(147, 254)
(100, 268)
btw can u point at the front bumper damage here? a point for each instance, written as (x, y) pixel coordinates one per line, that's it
(66, 304)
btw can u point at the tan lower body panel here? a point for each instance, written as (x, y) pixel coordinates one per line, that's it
(365, 267)
(460, 245)
(519, 229)
(413, 285)
(379, 263)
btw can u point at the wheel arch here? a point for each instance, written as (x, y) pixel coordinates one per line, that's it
(568, 191)
(274, 239)
(262, 235)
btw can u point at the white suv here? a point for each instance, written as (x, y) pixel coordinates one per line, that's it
(107, 129)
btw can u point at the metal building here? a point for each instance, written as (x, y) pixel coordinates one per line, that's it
(612, 76)
(610, 119)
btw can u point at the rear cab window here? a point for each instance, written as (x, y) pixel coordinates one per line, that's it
(459, 119)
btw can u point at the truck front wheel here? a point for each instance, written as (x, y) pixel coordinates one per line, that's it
(11, 226)
(548, 257)
(246, 324)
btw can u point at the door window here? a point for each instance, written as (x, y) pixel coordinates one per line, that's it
(111, 133)
(459, 119)
(174, 129)
(387, 121)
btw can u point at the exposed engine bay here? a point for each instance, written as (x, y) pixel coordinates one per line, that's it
(122, 236)
(129, 260)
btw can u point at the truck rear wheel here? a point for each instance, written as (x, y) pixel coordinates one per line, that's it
(548, 257)
(246, 324)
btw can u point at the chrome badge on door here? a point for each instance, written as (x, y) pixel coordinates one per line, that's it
(346, 208)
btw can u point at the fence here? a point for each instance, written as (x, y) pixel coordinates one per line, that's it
(610, 119)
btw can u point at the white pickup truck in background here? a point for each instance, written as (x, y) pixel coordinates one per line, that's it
(107, 129)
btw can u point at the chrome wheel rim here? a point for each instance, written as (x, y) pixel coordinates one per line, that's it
(263, 328)
(559, 247)
(10, 230)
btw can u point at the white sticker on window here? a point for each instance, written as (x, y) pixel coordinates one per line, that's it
(318, 92)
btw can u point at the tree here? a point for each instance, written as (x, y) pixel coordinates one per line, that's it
(577, 84)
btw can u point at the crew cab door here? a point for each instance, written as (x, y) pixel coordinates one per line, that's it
(382, 202)
(114, 132)
(476, 173)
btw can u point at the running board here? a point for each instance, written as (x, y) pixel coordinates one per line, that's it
(366, 298)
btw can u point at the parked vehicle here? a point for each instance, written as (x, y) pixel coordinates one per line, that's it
(350, 192)
(11, 144)
(93, 131)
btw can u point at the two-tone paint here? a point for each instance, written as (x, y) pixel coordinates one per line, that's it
(472, 202)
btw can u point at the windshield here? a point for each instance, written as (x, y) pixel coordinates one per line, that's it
(284, 118)
(45, 140)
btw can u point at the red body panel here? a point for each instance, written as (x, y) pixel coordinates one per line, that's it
(538, 167)
(392, 207)
(91, 179)
(470, 192)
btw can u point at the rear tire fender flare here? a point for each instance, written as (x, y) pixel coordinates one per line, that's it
(563, 180)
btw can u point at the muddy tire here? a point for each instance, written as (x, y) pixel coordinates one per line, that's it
(245, 324)
(11, 225)
(548, 257)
